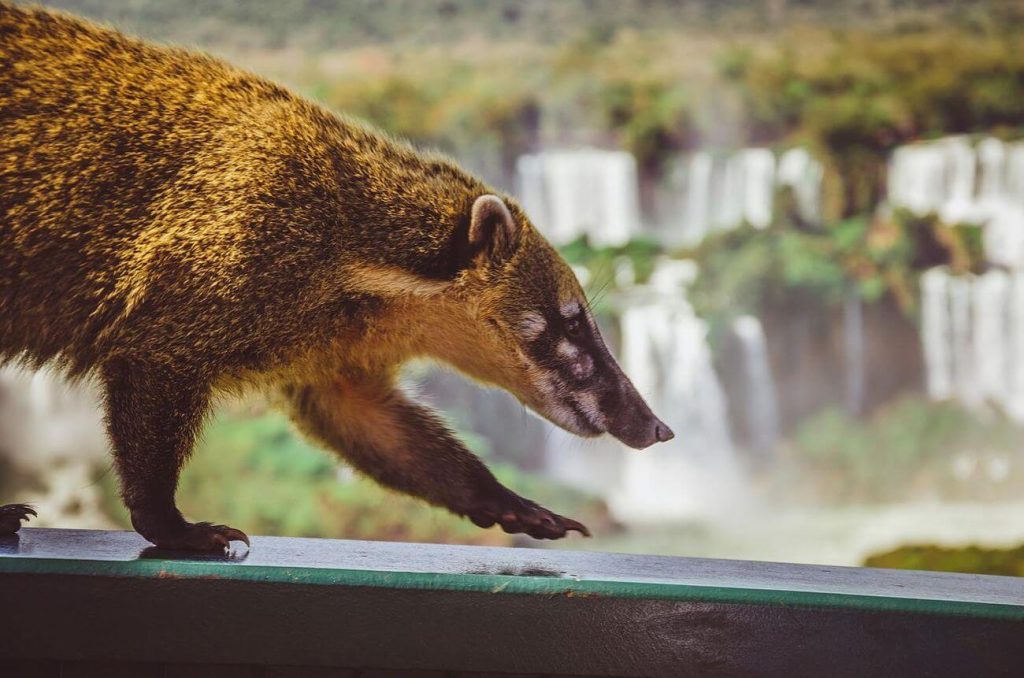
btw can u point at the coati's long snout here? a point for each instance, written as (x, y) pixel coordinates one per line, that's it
(607, 401)
(538, 337)
(631, 419)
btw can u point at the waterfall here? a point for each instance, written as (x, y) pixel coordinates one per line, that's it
(569, 193)
(962, 182)
(581, 192)
(936, 332)
(803, 175)
(972, 331)
(666, 354)
(761, 412)
(935, 177)
(713, 192)
(708, 192)
(972, 327)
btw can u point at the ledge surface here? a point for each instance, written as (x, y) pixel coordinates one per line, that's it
(424, 606)
(331, 562)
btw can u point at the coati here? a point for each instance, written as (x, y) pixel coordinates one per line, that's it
(176, 228)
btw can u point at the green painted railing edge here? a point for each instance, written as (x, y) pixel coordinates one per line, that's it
(510, 584)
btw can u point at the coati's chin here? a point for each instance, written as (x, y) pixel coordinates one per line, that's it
(638, 432)
(582, 424)
(567, 417)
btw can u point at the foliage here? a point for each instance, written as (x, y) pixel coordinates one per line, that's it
(748, 270)
(638, 255)
(1007, 562)
(255, 473)
(909, 443)
(872, 90)
(652, 77)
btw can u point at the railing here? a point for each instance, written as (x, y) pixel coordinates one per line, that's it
(91, 603)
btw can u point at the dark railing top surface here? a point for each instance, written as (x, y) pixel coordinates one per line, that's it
(518, 571)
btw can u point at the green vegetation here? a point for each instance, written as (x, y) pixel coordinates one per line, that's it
(317, 26)
(492, 80)
(854, 95)
(748, 270)
(1007, 562)
(253, 471)
(909, 449)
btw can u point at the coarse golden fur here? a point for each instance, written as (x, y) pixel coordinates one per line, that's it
(176, 227)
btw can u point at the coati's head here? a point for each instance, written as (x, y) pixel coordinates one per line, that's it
(529, 330)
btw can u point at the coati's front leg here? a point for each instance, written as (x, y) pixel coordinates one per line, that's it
(11, 516)
(153, 416)
(406, 447)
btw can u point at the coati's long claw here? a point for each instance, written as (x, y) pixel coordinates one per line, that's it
(231, 534)
(11, 517)
(201, 537)
(572, 525)
(518, 515)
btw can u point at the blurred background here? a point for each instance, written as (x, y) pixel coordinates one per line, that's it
(800, 222)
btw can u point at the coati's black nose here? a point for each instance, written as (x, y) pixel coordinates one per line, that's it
(640, 433)
(662, 433)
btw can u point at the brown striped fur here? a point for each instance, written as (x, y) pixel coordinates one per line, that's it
(176, 227)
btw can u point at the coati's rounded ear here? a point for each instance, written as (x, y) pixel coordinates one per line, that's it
(493, 233)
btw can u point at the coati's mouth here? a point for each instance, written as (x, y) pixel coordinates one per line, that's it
(570, 415)
(589, 422)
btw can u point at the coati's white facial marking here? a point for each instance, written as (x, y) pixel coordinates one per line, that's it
(566, 350)
(558, 358)
(579, 361)
(532, 325)
(583, 366)
(552, 405)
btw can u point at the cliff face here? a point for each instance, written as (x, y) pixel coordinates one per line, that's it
(854, 357)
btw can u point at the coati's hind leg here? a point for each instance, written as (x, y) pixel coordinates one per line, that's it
(153, 416)
(11, 516)
(406, 447)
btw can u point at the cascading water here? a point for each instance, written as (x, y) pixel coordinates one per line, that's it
(577, 192)
(761, 411)
(972, 327)
(803, 175)
(709, 192)
(964, 183)
(664, 344)
(972, 330)
(665, 352)
(936, 334)
(569, 193)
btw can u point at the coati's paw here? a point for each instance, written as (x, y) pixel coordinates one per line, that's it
(200, 537)
(518, 515)
(11, 517)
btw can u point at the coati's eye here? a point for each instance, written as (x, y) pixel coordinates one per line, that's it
(574, 328)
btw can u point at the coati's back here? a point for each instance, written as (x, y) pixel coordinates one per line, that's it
(146, 188)
(95, 130)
